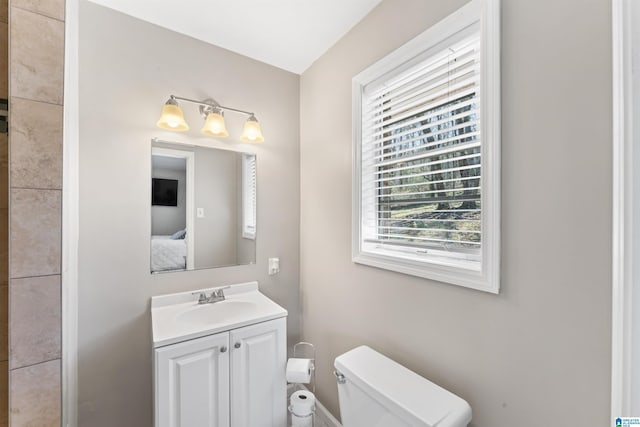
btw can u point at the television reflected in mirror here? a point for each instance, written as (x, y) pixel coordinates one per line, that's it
(203, 207)
(164, 192)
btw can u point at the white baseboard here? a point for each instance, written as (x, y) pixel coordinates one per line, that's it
(325, 416)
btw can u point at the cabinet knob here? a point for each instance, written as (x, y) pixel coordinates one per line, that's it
(237, 345)
(223, 349)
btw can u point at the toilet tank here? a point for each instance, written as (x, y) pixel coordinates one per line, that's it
(375, 391)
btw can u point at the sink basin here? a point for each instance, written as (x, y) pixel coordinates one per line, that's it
(178, 317)
(216, 312)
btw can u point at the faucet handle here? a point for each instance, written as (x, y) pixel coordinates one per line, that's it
(219, 292)
(202, 298)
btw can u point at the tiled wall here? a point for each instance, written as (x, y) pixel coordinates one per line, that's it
(36, 38)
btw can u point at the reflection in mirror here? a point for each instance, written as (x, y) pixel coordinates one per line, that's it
(203, 207)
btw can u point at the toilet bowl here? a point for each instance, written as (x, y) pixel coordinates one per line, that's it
(375, 391)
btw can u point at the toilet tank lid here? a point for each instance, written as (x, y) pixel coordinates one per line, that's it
(385, 379)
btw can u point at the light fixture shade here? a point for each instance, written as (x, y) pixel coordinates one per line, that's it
(251, 131)
(172, 117)
(214, 125)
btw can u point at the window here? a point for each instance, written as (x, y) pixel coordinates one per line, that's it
(249, 196)
(427, 153)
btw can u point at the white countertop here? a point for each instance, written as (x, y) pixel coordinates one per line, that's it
(172, 315)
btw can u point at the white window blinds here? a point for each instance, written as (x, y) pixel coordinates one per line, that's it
(248, 196)
(421, 156)
(426, 153)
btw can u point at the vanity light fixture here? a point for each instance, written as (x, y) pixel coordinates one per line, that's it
(172, 118)
(251, 131)
(214, 123)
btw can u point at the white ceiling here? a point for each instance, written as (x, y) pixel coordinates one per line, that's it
(289, 34)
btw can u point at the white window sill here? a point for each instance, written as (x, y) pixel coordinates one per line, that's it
(457, 272)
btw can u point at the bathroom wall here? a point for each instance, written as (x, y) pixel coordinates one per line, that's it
(128, 69)
(36, 39)
(539, 352)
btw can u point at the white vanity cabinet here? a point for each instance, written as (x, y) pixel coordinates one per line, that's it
(230, 379)
(258, 384)
(192, 383)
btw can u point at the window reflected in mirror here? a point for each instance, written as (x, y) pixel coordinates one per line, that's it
(249, 196)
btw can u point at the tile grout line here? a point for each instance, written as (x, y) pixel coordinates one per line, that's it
(36, 364)
(35, 100)
(34, 277)
(38, 13)
(35, 189)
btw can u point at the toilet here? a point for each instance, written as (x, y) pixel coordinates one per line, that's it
(375, 391)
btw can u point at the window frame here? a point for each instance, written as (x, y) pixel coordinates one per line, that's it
(486, 14)
(249, 188)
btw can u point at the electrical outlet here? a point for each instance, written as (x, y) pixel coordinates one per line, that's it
(274, 266)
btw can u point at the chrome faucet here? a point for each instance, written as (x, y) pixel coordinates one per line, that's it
(217, 295)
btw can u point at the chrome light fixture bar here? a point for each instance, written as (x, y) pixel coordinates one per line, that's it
(172, 119)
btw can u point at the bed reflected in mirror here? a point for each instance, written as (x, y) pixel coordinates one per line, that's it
(203, 207)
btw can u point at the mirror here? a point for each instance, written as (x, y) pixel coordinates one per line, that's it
(203, 207)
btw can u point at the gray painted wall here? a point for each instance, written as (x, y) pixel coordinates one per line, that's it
(217, 194)
(128, 69)
(539, 352)
(169, 219)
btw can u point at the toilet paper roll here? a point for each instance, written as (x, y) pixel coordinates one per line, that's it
(299, 370)
(303, 404)
(301, 421)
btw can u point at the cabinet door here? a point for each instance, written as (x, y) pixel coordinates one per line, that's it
(258, 385)
(192, 383)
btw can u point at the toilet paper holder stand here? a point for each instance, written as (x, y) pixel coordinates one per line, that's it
(313, 360)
